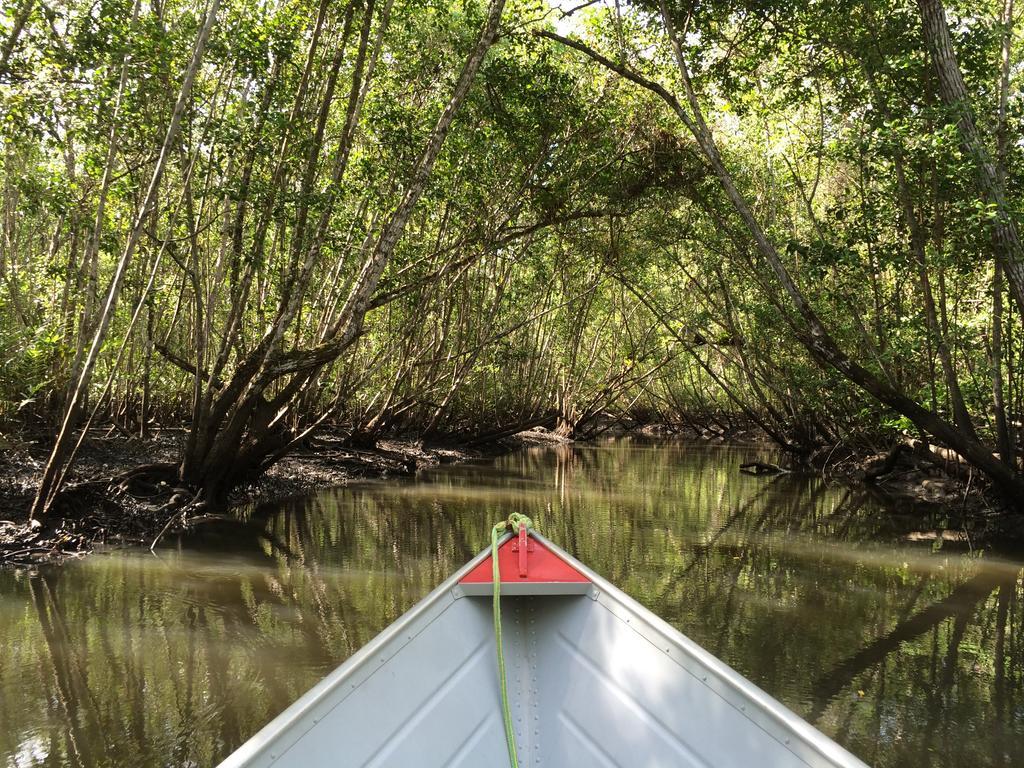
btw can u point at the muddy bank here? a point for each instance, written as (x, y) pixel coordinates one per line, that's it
(104, 504)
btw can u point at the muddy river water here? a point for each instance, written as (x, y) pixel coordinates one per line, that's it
(904, 643)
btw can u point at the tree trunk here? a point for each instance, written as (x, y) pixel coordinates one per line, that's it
(49, 485)
(1009, 250)
(1004, 443)
(12, 39)
(253, 430)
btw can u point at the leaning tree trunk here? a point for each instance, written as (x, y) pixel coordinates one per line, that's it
(245, 440)
(1004, 441)
(55, 469)
(1009, 250)
(11, 42)
(225, 417)
(240, 279)
(808, 327)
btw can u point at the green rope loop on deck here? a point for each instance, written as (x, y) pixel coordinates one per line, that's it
(513, 523)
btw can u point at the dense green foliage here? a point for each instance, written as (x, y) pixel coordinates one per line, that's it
(575, 252)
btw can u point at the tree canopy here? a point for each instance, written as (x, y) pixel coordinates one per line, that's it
(252, 220)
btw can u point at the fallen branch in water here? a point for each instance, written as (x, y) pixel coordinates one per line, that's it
(180, 511)
(758, 468)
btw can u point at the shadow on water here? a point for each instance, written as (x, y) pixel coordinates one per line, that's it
(908, 652)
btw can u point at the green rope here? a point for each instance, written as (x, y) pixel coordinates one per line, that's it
(512, 523)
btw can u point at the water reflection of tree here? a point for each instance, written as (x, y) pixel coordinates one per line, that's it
(757, 585)
(82, 723)
(187, 658)
(154, 664)
(678, 531)
(960, 605)
(954, 700)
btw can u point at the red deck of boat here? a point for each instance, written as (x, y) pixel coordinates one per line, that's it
(541, 565)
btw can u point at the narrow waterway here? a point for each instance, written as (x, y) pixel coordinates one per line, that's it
(906, 647)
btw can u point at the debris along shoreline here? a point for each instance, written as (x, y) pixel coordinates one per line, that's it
(105, 504)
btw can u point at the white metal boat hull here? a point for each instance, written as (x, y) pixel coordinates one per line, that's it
(594, 679)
